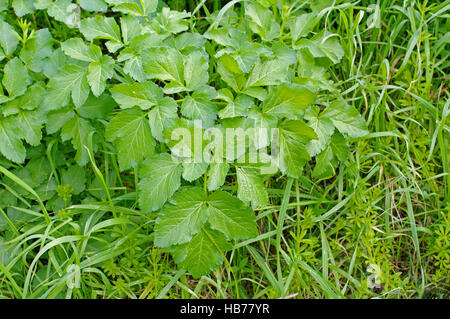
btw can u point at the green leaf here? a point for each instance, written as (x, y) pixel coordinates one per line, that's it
(30, 122)
(10, 141)
(161, 177)
(251, 188)
(172, 21)
(165, 64)
(93, 5)
(66, 12)
(77, 49)
(99, 72)
(145, 95)
(165, 109)
(217, 173)
(132, 137)
(193, 171)
(7, 39)
(75, 176)
(78, 130)
(324, 128)
(230, 72)
(271, 72)
(346, 119)
(22, 7)
(182, 218)
(200, 256)
(301, 25)
(97, 107)
(15, 78)
(135, 7)
(287, 99)
(230, 216)
(324, 167)
(293, 154)
(70, 82)
(100, 27)
(195, 71)
(36, 50)
(262, 21)
(200, 106)
(237, 107)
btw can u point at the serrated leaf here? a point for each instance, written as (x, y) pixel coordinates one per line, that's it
(217, 173)
(77, 49)
(271, 72)
(93, 5)
(70, 82)
(346, 119)
(132, 137)
(230, 216)
(99, 72)
(30, 122)
(145, 95)
(7, 39)
(22, 7)
(11, 145)
(200, 256)
(200, 106)
(161, 177)
(182, 218)
(251, 188)
(287, 99)
(164, 64)
(15, 78)
(100, 27)
(195, 71)
(77, 130)
(165, 109)
(293, 154)
(262, 21)
(193, 171)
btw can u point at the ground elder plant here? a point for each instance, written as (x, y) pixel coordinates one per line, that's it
(129, 124)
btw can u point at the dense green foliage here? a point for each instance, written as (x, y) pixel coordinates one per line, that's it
(100, 198)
